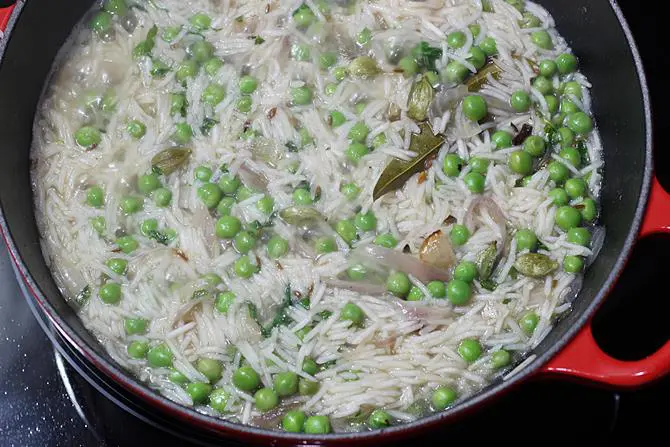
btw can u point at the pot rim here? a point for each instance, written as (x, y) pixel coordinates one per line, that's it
(112, 370)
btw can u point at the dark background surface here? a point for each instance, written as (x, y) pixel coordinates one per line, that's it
(44, 402)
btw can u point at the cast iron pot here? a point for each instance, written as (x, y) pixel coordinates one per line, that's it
(633, 205)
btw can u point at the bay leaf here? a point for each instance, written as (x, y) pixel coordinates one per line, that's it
(477, 81)
(425, 144)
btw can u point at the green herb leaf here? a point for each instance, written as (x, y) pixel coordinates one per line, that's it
(282, 317)
(420, 97)
(159, 237)
(488, 284)
(535, 265)
(425, 55)
(479, 79)
(487, 6)
(145, 47)
(159, 68)
(425, 144)
(82, 297)
(169, 160)
(207, 125)
(257, 39)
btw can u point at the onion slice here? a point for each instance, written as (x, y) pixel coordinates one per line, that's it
(491, 207)
(436, 250)
(395, 260)
(362, 287)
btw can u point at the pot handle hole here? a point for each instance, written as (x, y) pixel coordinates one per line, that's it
(583, 359)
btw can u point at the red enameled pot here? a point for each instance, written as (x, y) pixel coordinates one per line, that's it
(633, 205)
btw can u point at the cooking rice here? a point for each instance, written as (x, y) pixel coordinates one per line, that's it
(212, 189)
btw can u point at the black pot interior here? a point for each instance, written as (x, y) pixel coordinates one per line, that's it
(591, 27)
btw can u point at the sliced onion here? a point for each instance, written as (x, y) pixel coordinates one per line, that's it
(253, 179)
(423, 311)
(486, 203)
(202, 219)
(362, 287)
(446, 99)
(597, 241)
(395, 260)
(436, 250)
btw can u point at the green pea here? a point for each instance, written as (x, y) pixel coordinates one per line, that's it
(500, 359)
(489, 46)
(136, 129)
(573, 88)
(212, 279)
(572, 156)
(148, 183)
(479, 165)
(101, 23)
(131, 205)
(225, 205)
(170, 33)
(227, 227)
(218, 399)
(117, 265)
(456, 39)
(88, 137)
(294, 421)
(525, 240)
(300, 52)
(303, 16)
(277, 247)
(244, 268)
(398, 284)
(408, 66)
(575, 187)
(202, 173)
(302, 196)
(210, 194)
(223, 301)
(469, 349)
(568, 107)
(353, 313)
(366, 222)
(558, 172)
(213, 94)
(148, 227)
(201, 51)
(317, 425)
(244, 242)
(98, 224)
(301, 95)
(573, 264)
(266, 204)
(182, 133)
(200, 21)
(266, 399)
(548, 68)
(520, 162)
(579, 236)
(566, 63)
(589, 210)
(212, 66)
(138, 349)
(359, 132)
(339, 73)
(178, 104)
(458, 292)
(529, 20)
(474, 107)
(415, 294)
(534, 145)
(336, 118)
(118, 7)
(552, 103)
(327, 59)
(567, 217)
(307, 387)
(542, 39)
(347, 231)
(558, 196)
(357, 272)
(386, 240)
(199, 392)
(379, 419)
(379, 140)
(543, 85)
(580, 123)
(329, 89)
(187, 69)
(162, 197)
(565, 137)
(110, 293)
(177, 377)
(310, 366)
(246, 378)
(475, 182)
(210, 368)
(244, 104)
(437, 289)
(501, 139)
(475, 29)
(528, 322)
(350, 191)
(454, 72)
(286, 383)
(160, 356)
(459, 235)
(443, 397)
(465, 271)
(451, 165)
(476, 57)
(127, 244)
(520, 101)
(95, 196)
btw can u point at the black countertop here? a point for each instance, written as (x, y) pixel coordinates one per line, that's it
(45, 402)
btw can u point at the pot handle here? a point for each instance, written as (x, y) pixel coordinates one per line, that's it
(5, 14)
(582, 358)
